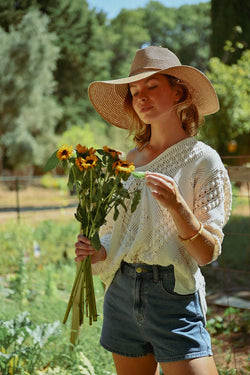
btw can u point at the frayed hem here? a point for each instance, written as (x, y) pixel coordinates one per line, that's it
(185, 357)
(124, 354)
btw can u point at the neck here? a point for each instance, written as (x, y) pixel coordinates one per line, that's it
(164, 136)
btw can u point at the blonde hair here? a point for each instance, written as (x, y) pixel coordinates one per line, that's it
(186, 111)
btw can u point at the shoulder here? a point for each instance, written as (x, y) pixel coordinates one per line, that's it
(210, 159)
(210, 168)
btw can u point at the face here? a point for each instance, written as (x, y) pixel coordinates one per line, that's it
(153, 98)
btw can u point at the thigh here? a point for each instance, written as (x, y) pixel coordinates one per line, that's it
(196, 366)
(146, 365)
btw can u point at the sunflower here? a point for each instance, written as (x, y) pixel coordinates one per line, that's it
(81, 149)
(91, 151)
(114, 153)
(123, 166)
(65, 152)
(79, 162)
(88, 162)
(85, 150)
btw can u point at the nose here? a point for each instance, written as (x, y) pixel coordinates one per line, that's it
(142, 96)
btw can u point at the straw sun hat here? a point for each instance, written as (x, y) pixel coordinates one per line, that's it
(108, 97)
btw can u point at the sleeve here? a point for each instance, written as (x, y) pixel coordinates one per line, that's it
(213, 197)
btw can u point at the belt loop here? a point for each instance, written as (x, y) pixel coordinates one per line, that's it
(156, 273)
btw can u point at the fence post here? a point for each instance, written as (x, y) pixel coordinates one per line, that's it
(17, 199)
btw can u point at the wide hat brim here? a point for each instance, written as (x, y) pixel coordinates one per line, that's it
(108, 97)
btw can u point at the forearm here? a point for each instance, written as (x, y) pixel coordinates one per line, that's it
(165, 191)
(201, 248)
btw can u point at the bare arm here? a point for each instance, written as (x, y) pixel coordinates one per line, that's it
(165, 191)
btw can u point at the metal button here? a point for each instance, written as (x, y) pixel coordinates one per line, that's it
(138, 269)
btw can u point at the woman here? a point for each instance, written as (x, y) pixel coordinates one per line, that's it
(154, 307)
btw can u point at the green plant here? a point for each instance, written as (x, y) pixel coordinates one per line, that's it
(232, 320)
(19, 280)
(21, 343)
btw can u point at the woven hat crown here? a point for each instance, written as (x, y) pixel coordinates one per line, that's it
(153, 58)
(108, 97)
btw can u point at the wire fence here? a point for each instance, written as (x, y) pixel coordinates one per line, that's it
(29, 196)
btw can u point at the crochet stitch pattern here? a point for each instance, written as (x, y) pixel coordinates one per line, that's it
(150, 236)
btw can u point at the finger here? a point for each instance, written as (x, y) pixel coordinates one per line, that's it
(82, 250)
(158, 176)
(84, 245)
(161, 188)
(80, 258)
(159, 180)
(83, 239)
(159, 197)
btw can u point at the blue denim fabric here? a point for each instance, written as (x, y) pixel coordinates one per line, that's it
(142, 315)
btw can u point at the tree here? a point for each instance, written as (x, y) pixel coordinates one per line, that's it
(81, 59)
(232, 122)
(28, 110)
(83, 56)
(126, 34)
(185, 30)
(230, 22)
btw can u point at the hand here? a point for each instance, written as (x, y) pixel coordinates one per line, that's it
(164, 189)
(83, 248)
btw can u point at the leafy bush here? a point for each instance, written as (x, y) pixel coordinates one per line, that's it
(232, 320)
(21, 344)
(54, 242)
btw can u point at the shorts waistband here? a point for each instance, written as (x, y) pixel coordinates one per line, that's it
(143, 268)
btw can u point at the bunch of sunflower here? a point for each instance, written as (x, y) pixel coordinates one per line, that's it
(97, 176)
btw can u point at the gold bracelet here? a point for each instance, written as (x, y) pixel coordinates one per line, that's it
(194, 236)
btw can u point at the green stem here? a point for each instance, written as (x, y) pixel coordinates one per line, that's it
(74, 291)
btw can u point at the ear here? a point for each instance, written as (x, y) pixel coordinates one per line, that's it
(178, 93)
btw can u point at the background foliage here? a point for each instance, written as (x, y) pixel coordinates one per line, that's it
(52, 49)
(28, 109)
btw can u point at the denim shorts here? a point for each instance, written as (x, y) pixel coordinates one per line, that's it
(143, 314)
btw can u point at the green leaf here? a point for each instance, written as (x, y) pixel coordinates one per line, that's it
(81, 215)
(136, 200)
(52, 162)
(139, 174)
(100, 216)
(124, 193)
(108, 186)
(71, 180)
(95, 241)
(116, 214)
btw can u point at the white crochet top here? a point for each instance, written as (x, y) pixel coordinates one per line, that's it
(149, 234)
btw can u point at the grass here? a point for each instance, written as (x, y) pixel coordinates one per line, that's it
(37, 271)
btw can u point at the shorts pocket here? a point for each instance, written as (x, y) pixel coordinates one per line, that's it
(116, 277)
(167, 283)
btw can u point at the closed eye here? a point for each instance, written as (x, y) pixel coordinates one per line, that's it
(134, 93)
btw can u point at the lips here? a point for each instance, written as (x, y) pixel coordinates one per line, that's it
(146, 108)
